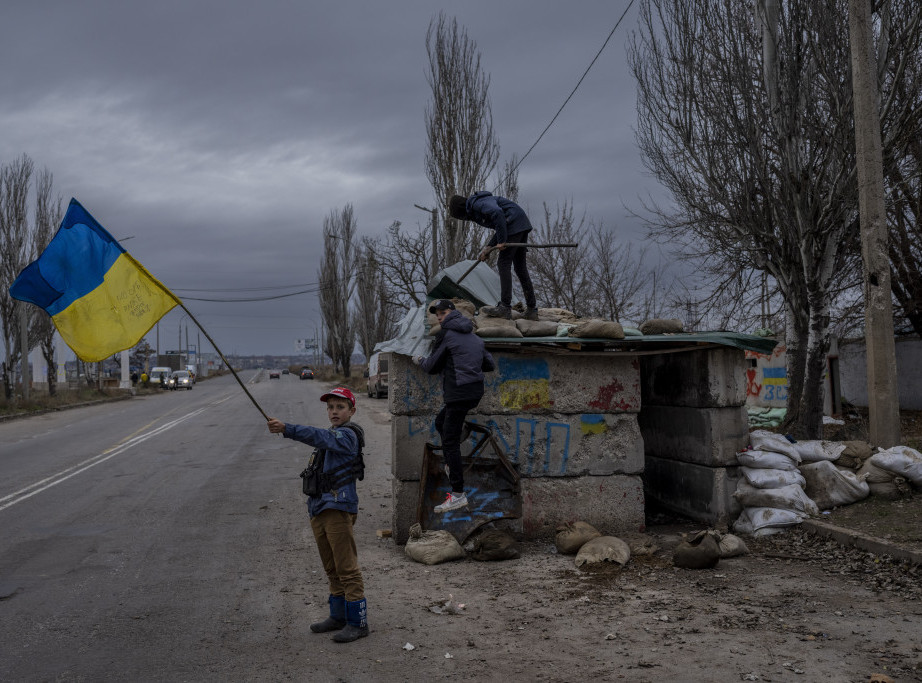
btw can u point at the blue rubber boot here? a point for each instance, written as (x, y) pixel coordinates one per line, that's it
(356, 622)
(337, 618)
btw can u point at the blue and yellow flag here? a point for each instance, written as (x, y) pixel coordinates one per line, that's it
(101, 300)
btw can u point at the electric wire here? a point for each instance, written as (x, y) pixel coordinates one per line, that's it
(569, 97)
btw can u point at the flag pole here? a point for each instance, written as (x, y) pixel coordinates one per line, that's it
(215, 346)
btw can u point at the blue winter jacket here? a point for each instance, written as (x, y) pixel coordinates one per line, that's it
(501, 215)
(461, 358)
(341, 445)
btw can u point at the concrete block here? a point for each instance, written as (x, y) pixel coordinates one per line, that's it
(611, 504)
(529, 384)
(704, 436)
(541, 445)
(403, 508)
(704, 494)
(710, 378)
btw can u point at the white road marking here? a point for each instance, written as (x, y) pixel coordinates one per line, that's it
(65, 474)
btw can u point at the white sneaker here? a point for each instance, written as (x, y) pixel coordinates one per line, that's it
(453, 501)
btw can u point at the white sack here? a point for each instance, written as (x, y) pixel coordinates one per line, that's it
(753, 520)
(790, 497)
(830, 487)
(766, 460)
(814, 451)
(772, 479)
(902, 461)
(764, 440)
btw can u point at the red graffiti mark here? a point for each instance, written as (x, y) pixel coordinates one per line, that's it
(752, 389)
(609, 398)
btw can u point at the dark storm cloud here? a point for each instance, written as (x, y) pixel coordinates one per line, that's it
(218, 135)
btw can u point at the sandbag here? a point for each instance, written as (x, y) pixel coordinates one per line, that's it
(857, 449)
(814, 451)
(496, 327)
(772, 479)
(766, 460)
(661, 326)
(902, 461)
(730, 545)
(563, 329)
(881, 482)
(557, 315)
(598, 329)
(699, 552)
(830, 487)
(571, 536)
(537, 328)
(432, 547)
(764, 440)
(493, 545)
(790, 497)
(603, 549)
(763, 521)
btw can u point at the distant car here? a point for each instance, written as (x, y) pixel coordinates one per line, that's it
(285, 371)
(181, 379)
(274, 374)
(307, 373)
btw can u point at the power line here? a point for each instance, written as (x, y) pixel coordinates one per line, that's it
(569, 97)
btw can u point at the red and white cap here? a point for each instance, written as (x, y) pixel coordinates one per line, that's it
(340, 392)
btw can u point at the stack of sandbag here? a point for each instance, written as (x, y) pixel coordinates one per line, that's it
(828, 485)
(892, 472)
(771, 489)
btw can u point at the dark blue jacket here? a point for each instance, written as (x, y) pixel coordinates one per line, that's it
(501, 215)
(341, 445)
(461, 358)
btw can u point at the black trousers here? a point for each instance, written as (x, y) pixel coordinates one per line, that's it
(449, 423)
(510, 259)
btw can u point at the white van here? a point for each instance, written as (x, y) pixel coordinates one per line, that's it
(160, 375)
(377, 375)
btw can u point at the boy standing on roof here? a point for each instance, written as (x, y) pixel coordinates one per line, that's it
(333, 505)
(461, 358)
(511, 226)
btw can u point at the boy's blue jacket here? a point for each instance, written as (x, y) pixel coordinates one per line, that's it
(501, 215)
(461, 358)
(341, 445)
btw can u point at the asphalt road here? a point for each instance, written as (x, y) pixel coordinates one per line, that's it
(158, 538)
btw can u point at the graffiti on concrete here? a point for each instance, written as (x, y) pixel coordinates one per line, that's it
(767, 379)
(524, 446)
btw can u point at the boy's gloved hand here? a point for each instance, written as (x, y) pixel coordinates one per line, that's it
(417, 360)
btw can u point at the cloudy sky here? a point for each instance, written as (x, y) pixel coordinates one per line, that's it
(218, 134)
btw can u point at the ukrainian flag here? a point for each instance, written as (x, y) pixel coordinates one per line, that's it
(101, 300)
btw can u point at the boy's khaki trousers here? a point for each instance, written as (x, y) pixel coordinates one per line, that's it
(336, 544)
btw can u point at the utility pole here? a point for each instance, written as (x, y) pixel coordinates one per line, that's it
(883, 397)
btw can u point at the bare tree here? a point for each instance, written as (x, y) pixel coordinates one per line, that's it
(48, 214)
(508, 184)
(373, 316)
(405, 265)
(562, 277)
(461, 147)
(15, 181)
(746, 118)
(618, 275)
(337, 286)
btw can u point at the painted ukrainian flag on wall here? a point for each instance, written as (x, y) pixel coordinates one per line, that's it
(101, 300)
